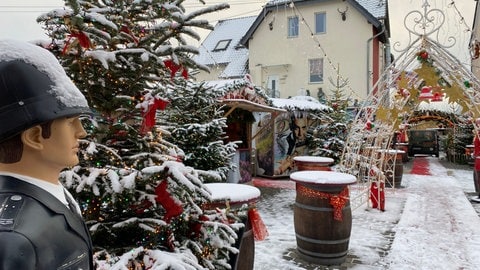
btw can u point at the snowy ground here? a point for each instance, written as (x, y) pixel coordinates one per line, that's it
(429, 223)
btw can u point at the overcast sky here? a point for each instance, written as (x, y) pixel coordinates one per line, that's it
(17, 17)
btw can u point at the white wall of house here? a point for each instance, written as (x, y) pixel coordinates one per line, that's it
(344, 43)
(213, 75)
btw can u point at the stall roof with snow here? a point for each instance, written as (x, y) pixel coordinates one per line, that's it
(304, 103)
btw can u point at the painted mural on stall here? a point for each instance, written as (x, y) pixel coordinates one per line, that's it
(281, 142)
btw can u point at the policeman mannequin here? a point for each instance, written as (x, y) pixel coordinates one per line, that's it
(40, 225)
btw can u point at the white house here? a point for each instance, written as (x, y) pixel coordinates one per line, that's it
(295, 46)
(303, 47)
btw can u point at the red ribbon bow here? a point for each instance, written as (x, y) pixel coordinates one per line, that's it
(174, 68)
(172, 208)
(151, 112)
(337, 201)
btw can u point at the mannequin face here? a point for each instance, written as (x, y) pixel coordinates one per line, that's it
(61, 149)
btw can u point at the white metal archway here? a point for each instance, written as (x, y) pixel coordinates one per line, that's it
(424, 65)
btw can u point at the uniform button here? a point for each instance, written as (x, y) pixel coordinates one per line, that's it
(16, 198)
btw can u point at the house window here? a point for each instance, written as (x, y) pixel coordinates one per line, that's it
(293, 26)
(320, 23)
(222, 45)
(316, 70)
(273, 87)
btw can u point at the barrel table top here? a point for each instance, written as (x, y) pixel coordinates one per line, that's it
(313, 159)
(391, 151)
(323, 177)
(233, 192)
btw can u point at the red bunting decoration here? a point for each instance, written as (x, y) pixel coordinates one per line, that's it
(260, 231)
(127, 31)
(82, 38)
(337, 201)
(369, 125)
(437, 97)
(423, 55)
(150, 114)
(196, 226)
(426, 93)
(174, 68)
(403, 92)
(172, 208)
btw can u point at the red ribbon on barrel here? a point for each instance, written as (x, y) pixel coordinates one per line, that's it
(337, 201)
(259, 229)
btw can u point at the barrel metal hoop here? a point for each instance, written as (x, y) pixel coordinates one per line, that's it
(314, 208)
(319, 241)
(322, 255)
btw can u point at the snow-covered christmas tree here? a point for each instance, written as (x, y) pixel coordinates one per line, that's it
(144, 207)
(328, 138)
(196, 123)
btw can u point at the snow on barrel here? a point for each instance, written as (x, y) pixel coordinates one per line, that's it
(305, 163)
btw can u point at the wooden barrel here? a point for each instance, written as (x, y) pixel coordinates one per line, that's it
(397, 176)
(403, 147)
(245, 258)
(392, 167)
(322, 229)
(311, 163)
(469, 149)
(237, 195)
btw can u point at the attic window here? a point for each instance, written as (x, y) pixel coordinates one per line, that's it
(222, 45)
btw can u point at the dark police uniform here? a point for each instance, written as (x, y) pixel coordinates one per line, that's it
(37, 231)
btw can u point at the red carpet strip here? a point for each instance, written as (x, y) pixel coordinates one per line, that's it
(264, 182)
(420, 166)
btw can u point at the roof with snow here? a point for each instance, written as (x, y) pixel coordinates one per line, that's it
(303, 103)
(443, 106)
(248, 96)
(300, 103)
(222, 47)
(373, 10)
(376, 8)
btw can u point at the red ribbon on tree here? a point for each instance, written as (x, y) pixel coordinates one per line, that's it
(174, 68)
(196, 225)
(127, 31)
(82, 38)
(150, 113)
(337, 201)
(172, 208)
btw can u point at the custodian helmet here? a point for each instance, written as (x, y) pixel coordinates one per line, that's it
(34, 88)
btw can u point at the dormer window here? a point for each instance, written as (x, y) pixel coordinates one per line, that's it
(222, 45)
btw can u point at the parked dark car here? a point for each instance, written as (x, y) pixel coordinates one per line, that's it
(423, 142)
